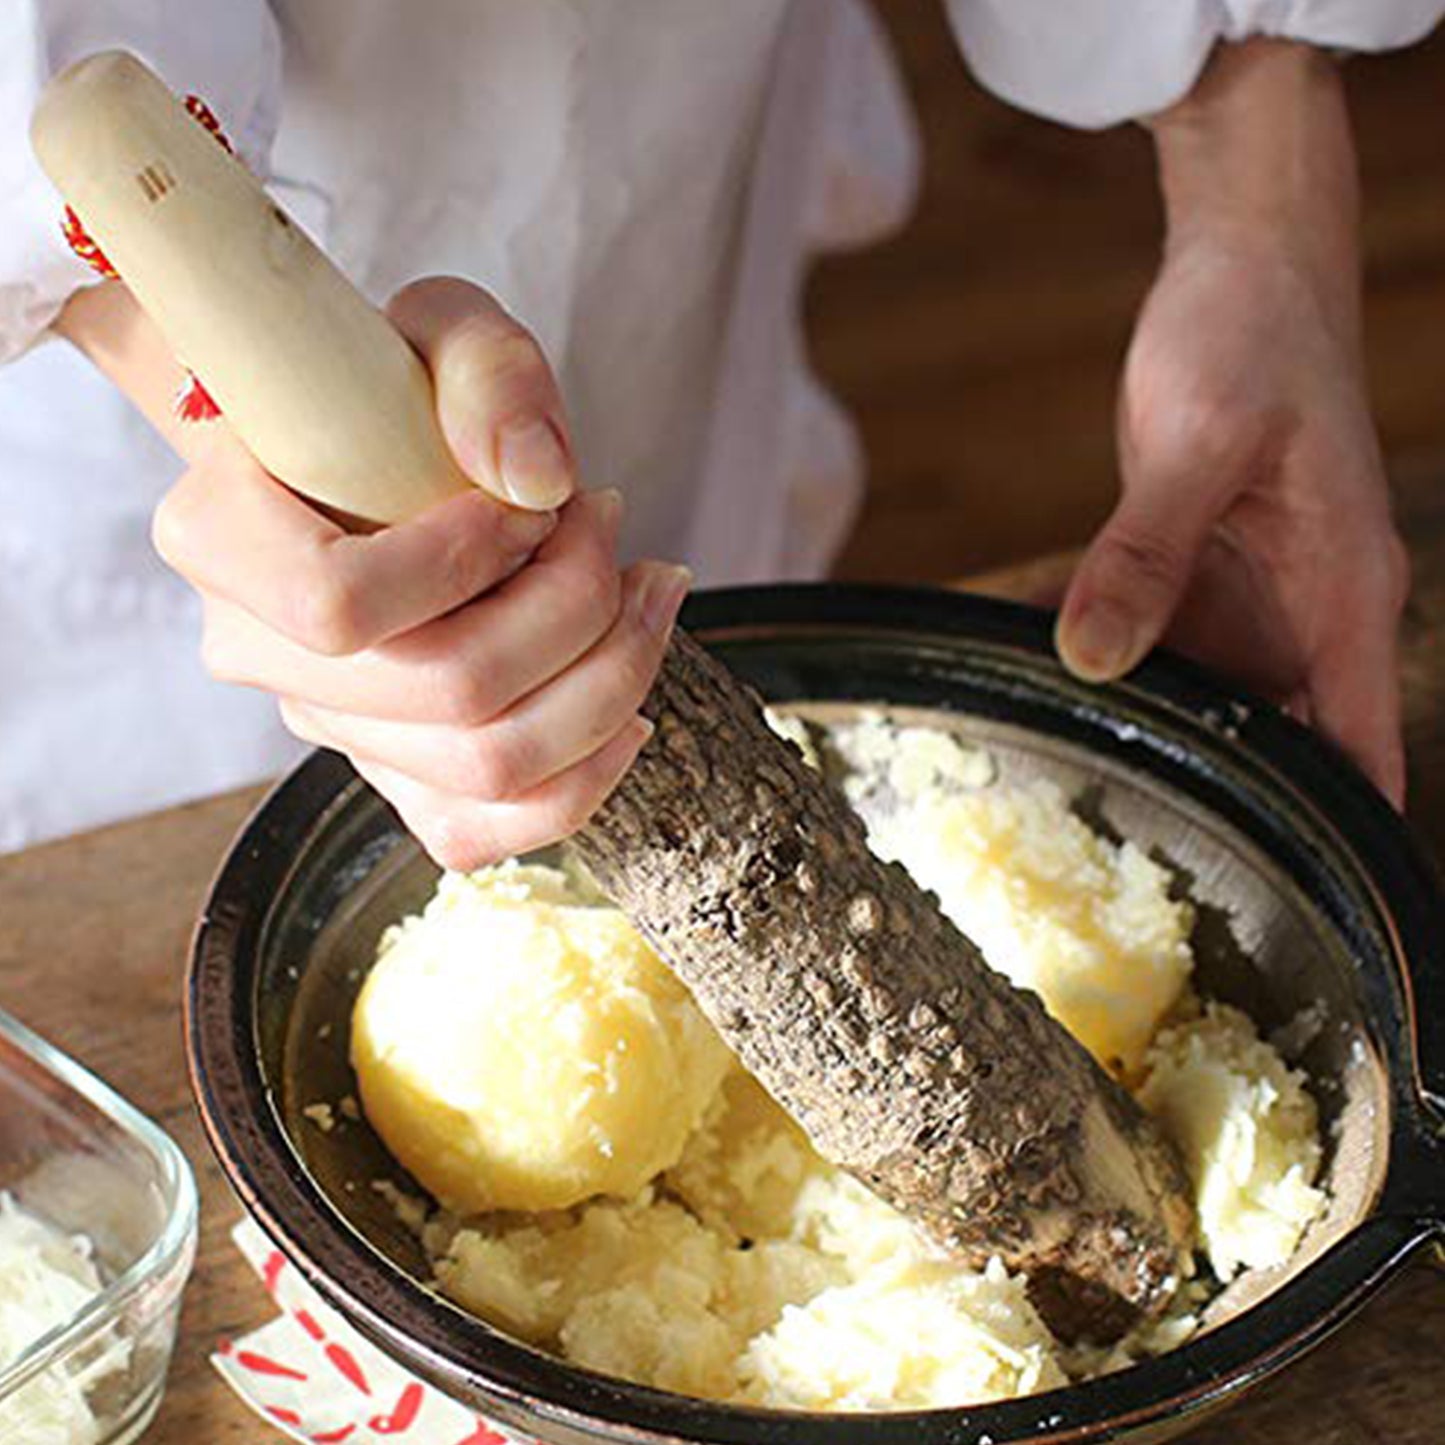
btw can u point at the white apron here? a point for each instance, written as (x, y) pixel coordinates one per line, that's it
(642, 181)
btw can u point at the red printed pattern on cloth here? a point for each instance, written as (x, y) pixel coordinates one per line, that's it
(396, 1418)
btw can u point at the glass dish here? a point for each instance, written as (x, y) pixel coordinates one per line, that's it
(76, 1156)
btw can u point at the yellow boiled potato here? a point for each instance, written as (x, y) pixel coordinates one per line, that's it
(1086, 923)
(515, 1050)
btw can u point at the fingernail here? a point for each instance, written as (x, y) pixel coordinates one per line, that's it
(535, 466)
(1102, 643)
(662, 597)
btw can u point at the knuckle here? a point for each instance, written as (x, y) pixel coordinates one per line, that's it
(463, 697)
(324, 613)
(488, 352)
(516, 354)
(224, 651)
(1147, 559)
(477, 555)
(289, 717)
(298, 723)
(171, 528)
(457, 560)
(497, 763)
(595, 588)
(1187, 424)
(1197, 429)
(217, 656)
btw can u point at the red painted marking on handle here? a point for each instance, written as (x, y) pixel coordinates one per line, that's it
(330, 1437)
(347, 1365)
(403, 1417)
(265, 1365)
(285, 1416)
(307, 1321)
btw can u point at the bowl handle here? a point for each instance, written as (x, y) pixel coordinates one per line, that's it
(1414, 1193)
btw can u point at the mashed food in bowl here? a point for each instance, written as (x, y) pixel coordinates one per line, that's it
(561, 1061)
(700, 1245)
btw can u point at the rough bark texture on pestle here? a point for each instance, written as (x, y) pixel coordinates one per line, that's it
(874, 1021)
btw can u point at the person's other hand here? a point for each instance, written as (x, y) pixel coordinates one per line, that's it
(1253, 528)
(483, 664)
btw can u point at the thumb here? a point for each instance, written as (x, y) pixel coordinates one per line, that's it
(497, 400)
(1129, 584)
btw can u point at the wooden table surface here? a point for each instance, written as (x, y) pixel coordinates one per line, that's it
(93, 939)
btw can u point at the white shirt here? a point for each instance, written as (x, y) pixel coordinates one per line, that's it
(642, 181)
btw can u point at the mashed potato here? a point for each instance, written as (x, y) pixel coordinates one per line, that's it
(516, 1048)
(907, 1335)
(752, 1271)
(638, 1288)
(739, 1265)
(1088, 924)
(1248, 1133)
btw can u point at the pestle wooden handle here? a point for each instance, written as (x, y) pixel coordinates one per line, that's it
(314, 379)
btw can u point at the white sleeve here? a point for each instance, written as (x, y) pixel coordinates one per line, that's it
(1093, 63)
(226, 51)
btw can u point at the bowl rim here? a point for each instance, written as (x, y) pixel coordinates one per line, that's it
(172, 1243)
(443, 1342)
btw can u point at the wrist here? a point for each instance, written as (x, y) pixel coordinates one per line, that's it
(1258, 156)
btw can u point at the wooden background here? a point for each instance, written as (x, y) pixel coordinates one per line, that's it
(979, 349)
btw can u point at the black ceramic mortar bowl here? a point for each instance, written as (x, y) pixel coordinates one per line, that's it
(1311, 896)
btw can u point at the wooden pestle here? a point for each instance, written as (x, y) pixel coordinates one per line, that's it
(866, 1014)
